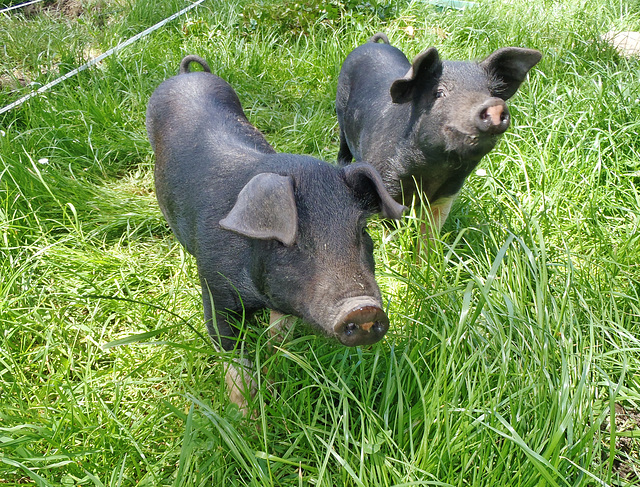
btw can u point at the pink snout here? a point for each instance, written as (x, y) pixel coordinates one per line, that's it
(493, 117)
(363, 324)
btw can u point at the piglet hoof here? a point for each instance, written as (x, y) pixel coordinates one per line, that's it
(240, 385)
(363, 325)
(280, 326)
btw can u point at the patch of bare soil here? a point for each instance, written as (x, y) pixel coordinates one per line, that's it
(626, 43)
(13, 81)
(627, 459)
(59, 10)
(71, 9)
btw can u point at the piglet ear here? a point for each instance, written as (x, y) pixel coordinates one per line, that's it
(510, 66)
(265, 209)
(426, 65)
(366, 183)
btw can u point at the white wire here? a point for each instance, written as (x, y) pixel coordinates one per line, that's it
(99, 58)
(13, 7)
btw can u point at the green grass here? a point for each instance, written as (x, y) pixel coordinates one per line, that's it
(513, 336)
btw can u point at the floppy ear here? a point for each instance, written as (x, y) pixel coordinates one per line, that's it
(265, 209)
(366, 183)
(425, 65)
(510, 66)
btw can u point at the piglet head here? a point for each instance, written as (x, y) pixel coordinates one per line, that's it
(312, 255)
(456, 111)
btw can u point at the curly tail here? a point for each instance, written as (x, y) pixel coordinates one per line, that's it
(380, 36)
(184, 64)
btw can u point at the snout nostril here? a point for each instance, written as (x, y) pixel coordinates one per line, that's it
(350, 329)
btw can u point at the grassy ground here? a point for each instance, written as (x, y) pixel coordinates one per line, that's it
(515, 342)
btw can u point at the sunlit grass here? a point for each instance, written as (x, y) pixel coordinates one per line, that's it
(515, 332)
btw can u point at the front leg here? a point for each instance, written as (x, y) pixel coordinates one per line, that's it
(238, 375)
(439, 211)
(223, 335)
(437, 214)
(238, 372)
(280, 325)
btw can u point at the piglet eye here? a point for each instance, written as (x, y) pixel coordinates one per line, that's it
(440, 93)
